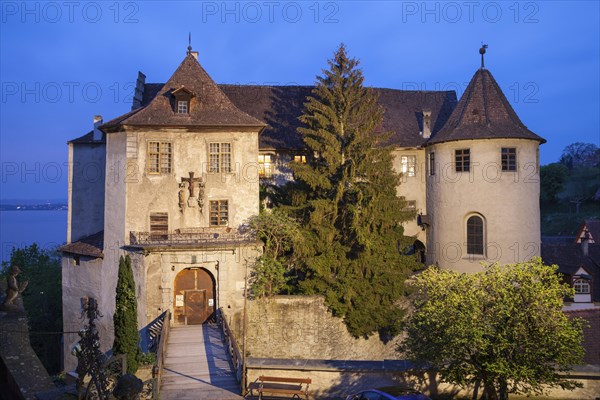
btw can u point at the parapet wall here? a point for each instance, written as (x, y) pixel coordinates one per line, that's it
(301, 327)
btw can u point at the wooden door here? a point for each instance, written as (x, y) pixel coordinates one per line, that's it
(196, 307)
(193, 299)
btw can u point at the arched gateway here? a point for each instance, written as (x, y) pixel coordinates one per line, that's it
(194, 300)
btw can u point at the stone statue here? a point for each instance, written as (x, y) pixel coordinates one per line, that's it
(13, 287)
(182, 199)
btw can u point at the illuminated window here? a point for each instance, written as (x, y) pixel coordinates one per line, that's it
(182, 107)
(475, 243)
(408, 165)
(509, 159)
(264, 166)
(219, 212)
(219, 157)
(581, 286)
(462, 160)
(160, 155)
(300, 159)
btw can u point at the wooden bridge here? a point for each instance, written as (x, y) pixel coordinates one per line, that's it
(197, 365)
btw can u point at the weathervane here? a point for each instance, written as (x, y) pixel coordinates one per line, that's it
(189, 43)
(482, 52)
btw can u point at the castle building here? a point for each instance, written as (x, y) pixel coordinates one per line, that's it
(173, 181)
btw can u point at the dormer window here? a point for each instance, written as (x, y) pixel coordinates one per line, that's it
(182, 106)
(183, 99)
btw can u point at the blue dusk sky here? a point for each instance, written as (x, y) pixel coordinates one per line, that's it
(63, 62)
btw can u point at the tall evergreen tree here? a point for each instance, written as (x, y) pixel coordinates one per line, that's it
(345, 196)
(125, 318)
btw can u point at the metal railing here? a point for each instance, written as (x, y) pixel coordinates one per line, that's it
(196, 237)
(161, 351)
(232, 346)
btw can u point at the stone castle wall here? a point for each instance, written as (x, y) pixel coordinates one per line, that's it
(301, 327)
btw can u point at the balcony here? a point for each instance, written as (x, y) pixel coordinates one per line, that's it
(192, 238)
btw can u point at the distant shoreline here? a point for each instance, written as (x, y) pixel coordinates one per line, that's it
(34, 207)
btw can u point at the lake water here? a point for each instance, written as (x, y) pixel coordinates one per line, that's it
(21, 228)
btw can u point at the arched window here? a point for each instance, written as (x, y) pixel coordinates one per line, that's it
(475, 244)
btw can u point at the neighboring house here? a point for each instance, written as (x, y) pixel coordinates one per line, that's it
(579, 262)
(172, 182)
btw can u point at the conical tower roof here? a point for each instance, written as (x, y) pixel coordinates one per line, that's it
(483, 112)
(209, 106)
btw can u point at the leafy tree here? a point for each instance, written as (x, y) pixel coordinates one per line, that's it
(284, 244)
(502, 328)
(345, 199)
(125, 318)
(42, 300)
(580, 154)
(553, 177)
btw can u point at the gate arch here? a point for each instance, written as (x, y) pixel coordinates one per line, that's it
(194, 296)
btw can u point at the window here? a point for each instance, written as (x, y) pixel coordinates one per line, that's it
(183, 98)
(462, 160)
(475, 235)
(300, 159)
(432, 163)
(219, 157)
(219, 212)
(581, 286)
(509, 159)
(159, 226)
(160, 156)
(410, 205)
(408, 165)
(264, 166)
(182, 107)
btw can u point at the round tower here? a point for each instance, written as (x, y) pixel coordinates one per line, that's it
(483, 183)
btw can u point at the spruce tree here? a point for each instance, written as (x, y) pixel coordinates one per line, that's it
(345, 196)
(125, 318)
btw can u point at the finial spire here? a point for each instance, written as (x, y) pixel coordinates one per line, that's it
(482, 52)
(189, 43)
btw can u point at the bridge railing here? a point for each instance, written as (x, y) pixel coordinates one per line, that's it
(161, 351)
(232, 346)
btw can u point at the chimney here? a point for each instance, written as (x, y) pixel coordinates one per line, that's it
(97, 132)
(194, 54)
(585, 240)
(138, 94)
(426, 124)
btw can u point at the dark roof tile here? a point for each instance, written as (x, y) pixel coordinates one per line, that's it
(483, 112)
(569, 258)
(91, 246)
(209, 106)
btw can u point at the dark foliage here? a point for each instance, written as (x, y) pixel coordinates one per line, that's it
(42, 300)
(125, 318)
(345, 199)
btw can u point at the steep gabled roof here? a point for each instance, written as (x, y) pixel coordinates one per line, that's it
(593, 228)
(209, 105)
(483, 112)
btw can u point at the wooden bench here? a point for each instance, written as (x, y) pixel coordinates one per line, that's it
(297, 387)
